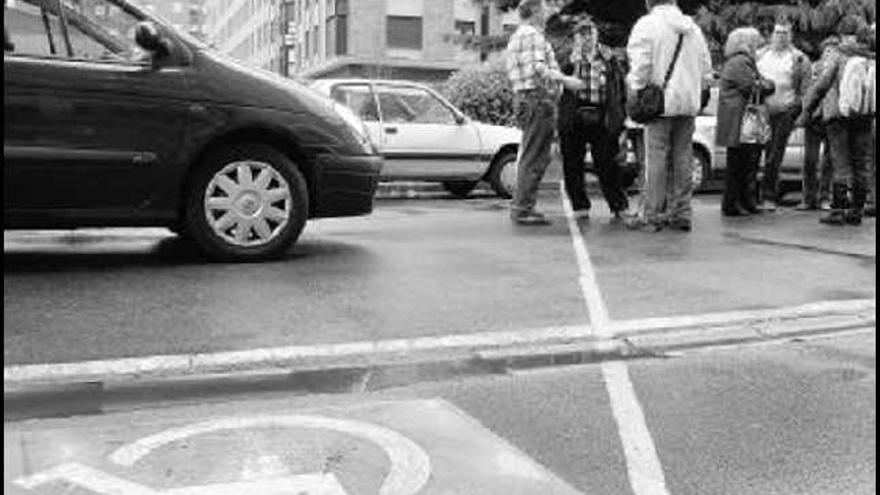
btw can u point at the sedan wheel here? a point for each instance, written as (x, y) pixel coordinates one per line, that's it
(248, 203)
(503, 174)
(700, 171)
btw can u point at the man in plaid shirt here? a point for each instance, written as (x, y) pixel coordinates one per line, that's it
(596, 116)
(535, 75)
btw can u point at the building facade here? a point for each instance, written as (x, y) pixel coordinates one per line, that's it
(249, 30)
(395, 39)
(185, 15)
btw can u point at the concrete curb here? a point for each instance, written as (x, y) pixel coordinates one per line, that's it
(78, 387)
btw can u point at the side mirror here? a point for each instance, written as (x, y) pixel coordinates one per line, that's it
(460, 119)
(148, 37)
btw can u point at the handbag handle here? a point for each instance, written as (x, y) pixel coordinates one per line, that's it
(674, 59)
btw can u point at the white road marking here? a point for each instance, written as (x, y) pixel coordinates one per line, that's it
(409, 471)
(642, 463)
(589, 287)
(298, 356)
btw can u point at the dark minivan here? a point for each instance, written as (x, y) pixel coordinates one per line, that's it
(114, 118)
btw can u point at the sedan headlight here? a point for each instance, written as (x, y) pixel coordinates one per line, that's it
(356, 125)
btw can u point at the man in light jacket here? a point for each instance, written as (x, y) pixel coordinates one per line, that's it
(667, 200)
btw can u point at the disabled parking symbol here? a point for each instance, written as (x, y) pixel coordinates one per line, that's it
(409, 470)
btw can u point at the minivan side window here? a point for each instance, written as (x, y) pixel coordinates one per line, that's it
(96, 30)
(358, 97)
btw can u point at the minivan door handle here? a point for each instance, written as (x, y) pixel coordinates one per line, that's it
(391, 130)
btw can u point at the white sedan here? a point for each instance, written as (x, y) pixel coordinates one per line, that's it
(423, 137)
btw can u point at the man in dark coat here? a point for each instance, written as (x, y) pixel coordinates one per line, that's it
(595, 116)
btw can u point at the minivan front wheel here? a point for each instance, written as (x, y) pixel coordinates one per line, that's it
(247, 202)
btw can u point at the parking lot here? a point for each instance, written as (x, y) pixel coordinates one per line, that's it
(423, 267)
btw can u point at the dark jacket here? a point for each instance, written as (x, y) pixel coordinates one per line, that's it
(615, 94)
(825, 90)
(739, 78)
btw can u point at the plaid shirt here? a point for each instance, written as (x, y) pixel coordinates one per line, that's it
(594, 73)
(529, 56)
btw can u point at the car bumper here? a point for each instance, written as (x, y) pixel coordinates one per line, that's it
(346, 185)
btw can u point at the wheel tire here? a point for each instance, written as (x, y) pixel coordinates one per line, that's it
(502, 174)
(702, 169)
(460, 188)
(253, 222)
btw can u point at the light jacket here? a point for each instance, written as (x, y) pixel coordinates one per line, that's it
(650, 49)
(800, 79)
(825, 90)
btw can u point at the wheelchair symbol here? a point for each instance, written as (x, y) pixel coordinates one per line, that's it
(409, 469)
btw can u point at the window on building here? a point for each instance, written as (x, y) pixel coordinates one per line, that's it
(337, 34)
(404, 32)
(466, 27)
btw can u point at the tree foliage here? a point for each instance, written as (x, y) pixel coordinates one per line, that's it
(483, 93)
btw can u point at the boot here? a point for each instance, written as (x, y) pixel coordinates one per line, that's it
(854, 214)
(837, 215)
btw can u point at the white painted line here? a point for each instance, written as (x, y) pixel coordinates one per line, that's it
(158, 365)
(648, 325)
(409, 470)
(642, 463)
(589, 286)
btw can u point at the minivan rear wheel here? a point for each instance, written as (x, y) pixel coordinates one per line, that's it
(247, 202)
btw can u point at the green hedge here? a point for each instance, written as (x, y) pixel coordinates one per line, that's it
(483, 93)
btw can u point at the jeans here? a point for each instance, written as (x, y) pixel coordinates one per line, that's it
(817, 169)
(668, 170)
(851, 142)
(782, 123)
(535, 114)
(604, 148)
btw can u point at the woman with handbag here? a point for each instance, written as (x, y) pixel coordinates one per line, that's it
(743, 125)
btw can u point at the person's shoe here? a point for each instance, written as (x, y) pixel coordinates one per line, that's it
(581, 213)
(806, 207)
(853, 217)
(530, 218)
(734, 211)
(834, 217)
(642, 226)
(680, 224)
(768, 205)
(825, 204)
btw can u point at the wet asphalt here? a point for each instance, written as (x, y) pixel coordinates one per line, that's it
(421, 267)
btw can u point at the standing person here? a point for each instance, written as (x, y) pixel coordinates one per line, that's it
(849, 130)
(871, 208)
(669, 156)
(817, 163)
(740, 80)
(596, 116)
(535, 75)
(788, 68)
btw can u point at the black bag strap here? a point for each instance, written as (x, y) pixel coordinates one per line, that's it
(674, 59)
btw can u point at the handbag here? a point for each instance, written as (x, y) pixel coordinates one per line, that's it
(648, 104)
(755, 125)
(590, 116)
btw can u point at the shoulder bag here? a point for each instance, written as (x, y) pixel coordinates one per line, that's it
(648, 104)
